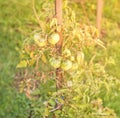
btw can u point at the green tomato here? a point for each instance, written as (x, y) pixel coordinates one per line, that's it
(55, 62)
(72, 58)
(74, 66)
(67, 52)
(69, 83)
(66, 65)
(54, 38)
(37, 36)
(39, 40)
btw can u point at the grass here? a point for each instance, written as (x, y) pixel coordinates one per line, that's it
(16, 18)
(112, 68)
(111, 26)
(12, 104)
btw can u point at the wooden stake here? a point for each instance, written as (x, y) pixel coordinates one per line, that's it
(58, 14)
(99, 14)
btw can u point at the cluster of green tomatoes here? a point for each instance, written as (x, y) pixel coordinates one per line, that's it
(53, 39)
(67, 61)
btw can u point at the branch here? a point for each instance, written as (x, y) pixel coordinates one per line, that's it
(35, 13)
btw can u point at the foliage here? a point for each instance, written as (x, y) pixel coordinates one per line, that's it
(85, 79)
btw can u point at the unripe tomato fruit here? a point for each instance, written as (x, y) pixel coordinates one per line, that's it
(37, 36)
(39, 40)
(54, 38)
(72, 58)
(69, 83)
(74, 66)
(67, 52)
(55, 62)
(66, 65)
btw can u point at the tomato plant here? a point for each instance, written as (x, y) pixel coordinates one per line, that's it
(83, 79)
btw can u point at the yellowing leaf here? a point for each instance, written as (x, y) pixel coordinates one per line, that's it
(58, 28)
(43, 58)
(22, 64)
(31, 62)
(100, 43)
(46, 112)
(80, 58)
(32, 55)
(53, 22)
(66, 65)
(73, 16)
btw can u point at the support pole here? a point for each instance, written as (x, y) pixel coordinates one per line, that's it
(58, 14)
(99, 14)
